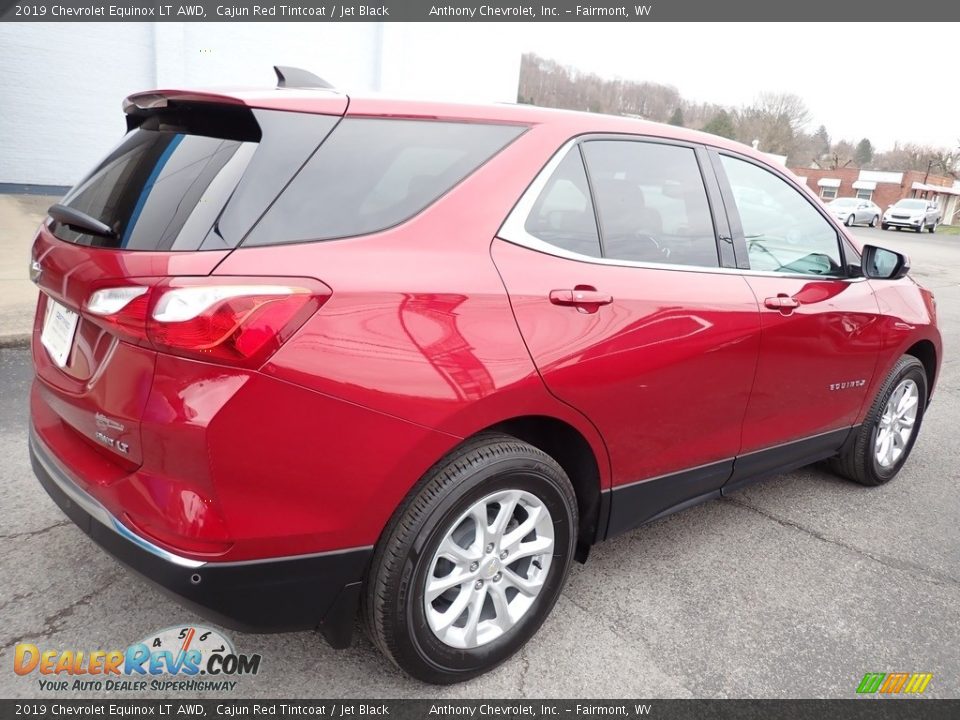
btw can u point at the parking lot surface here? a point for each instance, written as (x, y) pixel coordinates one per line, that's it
(792, 588)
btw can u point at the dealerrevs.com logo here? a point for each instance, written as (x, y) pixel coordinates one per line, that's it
(189, 658)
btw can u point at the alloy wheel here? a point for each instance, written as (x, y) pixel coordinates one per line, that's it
(897, 423)
(489, 568)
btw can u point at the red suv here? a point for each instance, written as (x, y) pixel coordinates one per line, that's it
(300, 354)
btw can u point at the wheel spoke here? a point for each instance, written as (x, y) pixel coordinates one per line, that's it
(527, 587)
(437, 586)
(906, 403)
(460, 555)
(500, 606)
(446, 618)
(883, 453)
(507, 507)
(523, 529)
(477, 599)
(533, 547)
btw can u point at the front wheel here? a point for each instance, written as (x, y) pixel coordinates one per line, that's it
(883, 442)
(849, 221)
(933, 228)
(473, 561)
(884, 226)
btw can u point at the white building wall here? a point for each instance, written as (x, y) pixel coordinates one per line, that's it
(62, 84)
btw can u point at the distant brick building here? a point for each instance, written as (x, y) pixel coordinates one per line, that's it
(885, 188)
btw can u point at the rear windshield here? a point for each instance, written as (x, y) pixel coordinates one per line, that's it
(372, 174)
(191, 177)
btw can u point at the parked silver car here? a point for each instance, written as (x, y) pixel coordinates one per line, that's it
(855, 211)
(913, 213)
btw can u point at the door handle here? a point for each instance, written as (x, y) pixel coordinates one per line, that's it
(782, 302)
(580, 297)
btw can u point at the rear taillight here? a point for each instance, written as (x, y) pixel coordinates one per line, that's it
(240, 321)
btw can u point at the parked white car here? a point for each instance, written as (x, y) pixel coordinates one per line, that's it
(913, 213)
(855, 211)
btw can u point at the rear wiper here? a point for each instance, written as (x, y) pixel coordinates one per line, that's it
(80, 221)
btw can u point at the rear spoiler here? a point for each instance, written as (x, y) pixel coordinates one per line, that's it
(322, 101)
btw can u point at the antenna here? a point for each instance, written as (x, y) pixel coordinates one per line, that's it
(291, 77)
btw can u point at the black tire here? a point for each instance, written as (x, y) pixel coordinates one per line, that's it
(392, 610)
(849, 221)
(933, 228)
(920, 227)
(884, 226)
(857, 461)
(874, 221)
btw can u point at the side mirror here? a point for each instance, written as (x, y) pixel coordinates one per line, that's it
(881, 264)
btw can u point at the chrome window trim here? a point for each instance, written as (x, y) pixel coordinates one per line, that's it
(514, 231)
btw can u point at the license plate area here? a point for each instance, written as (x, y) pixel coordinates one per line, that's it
(59, 329)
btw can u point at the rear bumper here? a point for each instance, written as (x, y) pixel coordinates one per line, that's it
(273, 595)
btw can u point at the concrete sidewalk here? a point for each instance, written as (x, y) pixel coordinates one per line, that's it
(19, 217)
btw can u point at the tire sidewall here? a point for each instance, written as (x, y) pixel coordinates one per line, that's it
(916, 373)
(419, 647)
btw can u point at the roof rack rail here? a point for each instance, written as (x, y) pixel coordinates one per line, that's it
(291, 77)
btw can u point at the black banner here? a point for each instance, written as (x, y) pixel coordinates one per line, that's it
(485, 709)
(492, 11)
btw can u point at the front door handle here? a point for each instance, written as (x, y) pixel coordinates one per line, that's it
(782, 302)
(585, 298)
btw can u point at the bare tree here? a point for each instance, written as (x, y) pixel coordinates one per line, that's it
(776, 120)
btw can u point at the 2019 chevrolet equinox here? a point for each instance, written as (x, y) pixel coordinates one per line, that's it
(300, 355)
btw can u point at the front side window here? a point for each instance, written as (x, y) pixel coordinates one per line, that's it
(651, 202)
(783, 231)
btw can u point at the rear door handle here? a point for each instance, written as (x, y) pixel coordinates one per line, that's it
(580, 297)
(782, 302)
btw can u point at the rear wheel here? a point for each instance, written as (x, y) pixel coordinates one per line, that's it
(874, 221)
(883, 442)
(473, 561)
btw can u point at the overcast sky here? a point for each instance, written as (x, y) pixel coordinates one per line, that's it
(859, 81)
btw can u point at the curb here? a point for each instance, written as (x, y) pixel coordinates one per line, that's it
(15, 340)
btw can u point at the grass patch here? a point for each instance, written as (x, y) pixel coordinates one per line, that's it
(948, 230)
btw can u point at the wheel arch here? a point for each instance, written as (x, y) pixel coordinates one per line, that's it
(571, 449)
(926, 353)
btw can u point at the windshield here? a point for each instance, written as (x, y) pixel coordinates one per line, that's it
(912, 204)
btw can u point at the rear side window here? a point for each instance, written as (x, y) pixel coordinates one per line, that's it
(372, 174)
(652, 203)
(563, 214)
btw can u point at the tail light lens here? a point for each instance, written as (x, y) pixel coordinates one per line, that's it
(239, 321)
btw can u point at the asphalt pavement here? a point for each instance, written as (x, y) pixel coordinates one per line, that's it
(793, 588)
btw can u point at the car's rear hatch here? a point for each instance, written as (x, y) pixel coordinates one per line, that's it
(191, 177)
